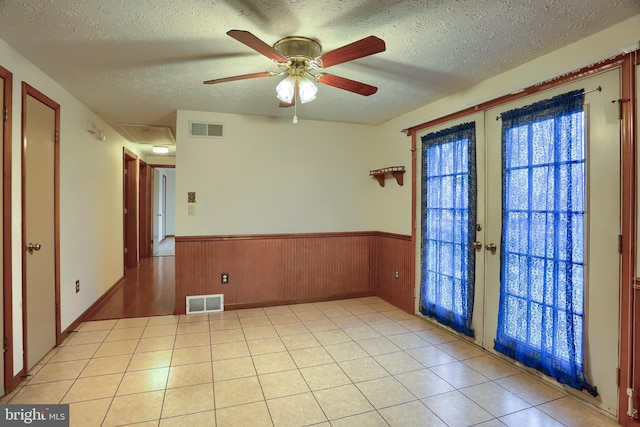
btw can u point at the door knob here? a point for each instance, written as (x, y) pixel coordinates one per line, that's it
(491, 247)
(33, 247)
(477, 245)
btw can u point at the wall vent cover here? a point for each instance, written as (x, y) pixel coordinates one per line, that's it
(205, 303)
(206, 130)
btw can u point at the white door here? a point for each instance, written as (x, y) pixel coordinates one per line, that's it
(477, 322)
(39, 229)
(603, 226)
(157, 215)
(163, 207)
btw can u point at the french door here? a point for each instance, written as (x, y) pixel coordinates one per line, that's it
(601, 229)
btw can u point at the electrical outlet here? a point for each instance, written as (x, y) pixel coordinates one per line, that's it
(77, 286)
(224, 278)
(397, 274)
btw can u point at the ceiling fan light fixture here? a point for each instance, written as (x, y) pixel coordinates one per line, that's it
(286, 89)
(307, 90)
(158, 149)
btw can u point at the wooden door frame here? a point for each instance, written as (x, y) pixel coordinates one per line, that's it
(130, 191)
(10, 382)
(629, 374)
(143, 211)
(28, 90)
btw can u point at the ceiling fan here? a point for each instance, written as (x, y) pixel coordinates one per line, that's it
(297, 57)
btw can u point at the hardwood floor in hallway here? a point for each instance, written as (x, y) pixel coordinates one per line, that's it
(148, 290)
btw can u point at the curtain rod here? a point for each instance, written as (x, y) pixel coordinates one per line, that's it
(598, 89)
(565, 77)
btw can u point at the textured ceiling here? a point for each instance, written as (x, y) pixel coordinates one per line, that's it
(140, 61)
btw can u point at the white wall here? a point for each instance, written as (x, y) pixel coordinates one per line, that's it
(394, 214)
(272, 176)
(393, 202)
(90, 199)
(160, 160)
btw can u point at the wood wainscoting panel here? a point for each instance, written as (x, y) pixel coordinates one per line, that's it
(393, 252)
(266, 269)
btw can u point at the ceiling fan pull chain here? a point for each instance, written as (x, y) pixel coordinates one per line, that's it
(295, 113)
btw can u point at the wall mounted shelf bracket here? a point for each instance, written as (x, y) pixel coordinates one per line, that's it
(396, 171)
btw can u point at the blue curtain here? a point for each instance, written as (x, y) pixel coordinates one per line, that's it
(541, 317)
(448, 226)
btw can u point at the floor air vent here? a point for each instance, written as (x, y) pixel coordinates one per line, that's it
(205, 304)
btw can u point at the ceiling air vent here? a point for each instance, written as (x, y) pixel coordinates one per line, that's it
(206, 130)
(148, 134)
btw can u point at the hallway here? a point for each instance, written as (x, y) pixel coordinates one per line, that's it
(148, 290)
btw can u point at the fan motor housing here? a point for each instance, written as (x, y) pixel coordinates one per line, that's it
(298, 48)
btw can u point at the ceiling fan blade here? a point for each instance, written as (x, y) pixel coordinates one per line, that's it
(242, 77)
(346, 84)
(358, 49)
(258, 45)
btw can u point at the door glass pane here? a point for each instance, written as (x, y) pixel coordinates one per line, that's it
(449, 220)
(540, 320)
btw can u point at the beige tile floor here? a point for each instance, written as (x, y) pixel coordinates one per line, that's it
(357, 362)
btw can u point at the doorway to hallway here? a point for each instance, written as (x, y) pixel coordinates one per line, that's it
(148, 290)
